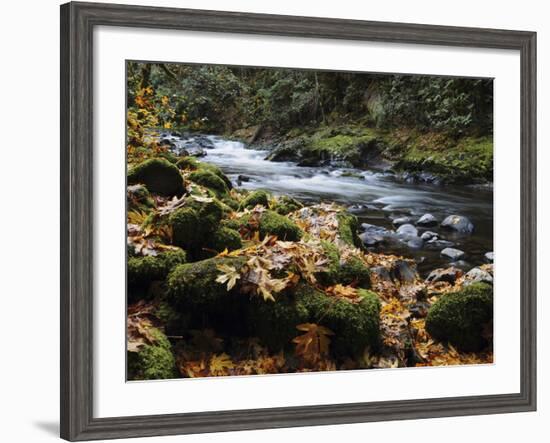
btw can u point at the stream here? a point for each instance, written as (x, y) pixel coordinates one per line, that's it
(374, 197)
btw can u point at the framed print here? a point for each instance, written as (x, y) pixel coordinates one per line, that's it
(272, 221)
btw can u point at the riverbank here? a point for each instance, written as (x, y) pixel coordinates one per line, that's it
(430, 157)
(229, 281)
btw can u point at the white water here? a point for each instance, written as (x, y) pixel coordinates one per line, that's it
(383, 196)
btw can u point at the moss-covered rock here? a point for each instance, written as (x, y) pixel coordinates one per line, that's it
(193, 224)
(188, 163)
(153, 362)
(348, 226)
(275, 322)
(193, 288)
(139, 198)
(159, 175)
(216, 171)
(352, 271)
(460, 317)
(142, 271)
(185, 226)
(209, 180)
(225, 238)
(285, 229)
(230, 202)
(355, 325)
(285, 205)
(259, 197)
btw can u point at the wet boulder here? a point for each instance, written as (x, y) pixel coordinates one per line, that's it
(401, 221)
(436, 243)
(489, 257)
(407, 230)
(159, 176)
(453, 254)
(403, 271)
(461, 318)
(415, 243)
(448, 275)
(458, 223)
(427, 220)
(429, 235)
(477, 275)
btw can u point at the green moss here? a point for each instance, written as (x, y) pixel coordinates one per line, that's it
(139, 199)
(188, 163)
(217, 171)
(285, 205)
(353, 271)
(185, 226)
(230, 202)
(159, 175)
(192, 288)
(225, 238)
(275, 322)
(470, 159)
(355, 326)
(208, 180)
(259, 197)
(142, 271)
(175, 322)
(272, 223)
(153, 362)
(209, 212)
(460, 317)
(347, 229)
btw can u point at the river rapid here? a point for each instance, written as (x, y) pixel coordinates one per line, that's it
(375, 197)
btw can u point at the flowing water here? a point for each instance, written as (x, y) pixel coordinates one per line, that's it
(376, 197)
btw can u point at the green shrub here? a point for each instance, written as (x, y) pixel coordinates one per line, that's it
(159, 175)
(460, 317)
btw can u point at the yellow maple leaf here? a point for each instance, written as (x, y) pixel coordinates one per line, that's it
(230, 275)
(220, 364)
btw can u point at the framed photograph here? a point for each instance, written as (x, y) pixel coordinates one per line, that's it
(273, 221)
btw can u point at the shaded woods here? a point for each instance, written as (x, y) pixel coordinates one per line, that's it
(229, 277)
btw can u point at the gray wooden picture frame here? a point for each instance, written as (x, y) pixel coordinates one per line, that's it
(77, 23)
